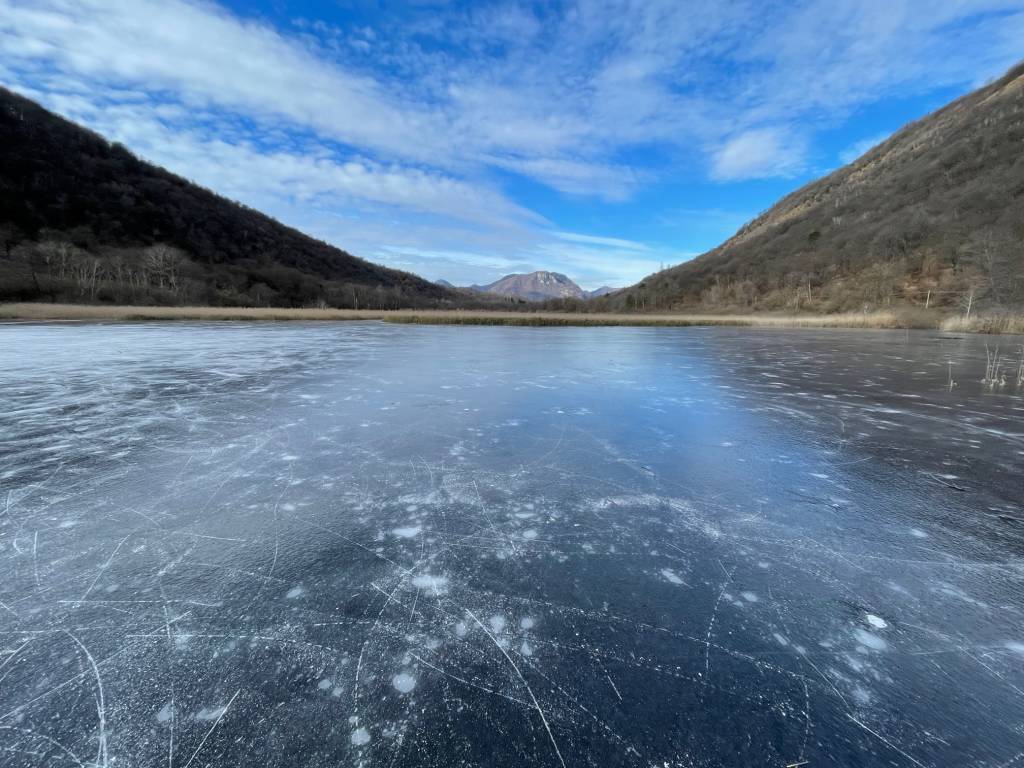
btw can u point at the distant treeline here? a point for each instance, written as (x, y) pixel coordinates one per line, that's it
(56, 269)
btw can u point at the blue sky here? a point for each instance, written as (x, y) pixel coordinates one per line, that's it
(599, 138)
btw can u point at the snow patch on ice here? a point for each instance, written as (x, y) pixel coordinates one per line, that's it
(876, 621)
(671, 576)
(210, 713)
(295, 592)
(408, 532)
(870, 640)
(750, 597)
(360, 736)
(403, 682)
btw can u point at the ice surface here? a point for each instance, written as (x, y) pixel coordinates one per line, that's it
(372, 545)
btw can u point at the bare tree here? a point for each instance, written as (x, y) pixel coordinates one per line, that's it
(58, 256)
(967, 302)
(163, 264)
(989, 251)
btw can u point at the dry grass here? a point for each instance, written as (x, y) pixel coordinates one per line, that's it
(82, 312)
(1009, 324)
(985, 324)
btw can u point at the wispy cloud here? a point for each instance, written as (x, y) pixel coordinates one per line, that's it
(613, 242)
(759, 153)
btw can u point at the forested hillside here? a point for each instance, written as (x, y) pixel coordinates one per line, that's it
(83, 220)
(934, 216)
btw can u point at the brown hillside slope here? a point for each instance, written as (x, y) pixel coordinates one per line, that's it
(934, 215)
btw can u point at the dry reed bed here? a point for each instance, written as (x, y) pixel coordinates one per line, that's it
(85, 312)
(32, 311)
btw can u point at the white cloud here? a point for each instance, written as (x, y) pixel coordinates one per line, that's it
(209, 57)
(614, 242)
(554, 93)
(575, 177)
(759, 153)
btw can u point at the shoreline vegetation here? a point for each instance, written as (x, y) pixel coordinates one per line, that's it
(1009, 324)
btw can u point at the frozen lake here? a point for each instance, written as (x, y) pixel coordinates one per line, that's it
(374, 545)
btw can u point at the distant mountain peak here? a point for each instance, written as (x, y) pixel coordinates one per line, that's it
(535, 286)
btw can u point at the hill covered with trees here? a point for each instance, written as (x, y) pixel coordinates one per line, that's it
(934, 216)
(84, 220)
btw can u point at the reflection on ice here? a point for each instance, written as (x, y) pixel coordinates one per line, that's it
(364, 544)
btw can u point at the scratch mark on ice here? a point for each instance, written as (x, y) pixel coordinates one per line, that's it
(213, 727)
(888, 743)
(101, 707)
(529, 690)
(711, 624)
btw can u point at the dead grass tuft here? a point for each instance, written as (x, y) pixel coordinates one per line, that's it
(985, 324)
